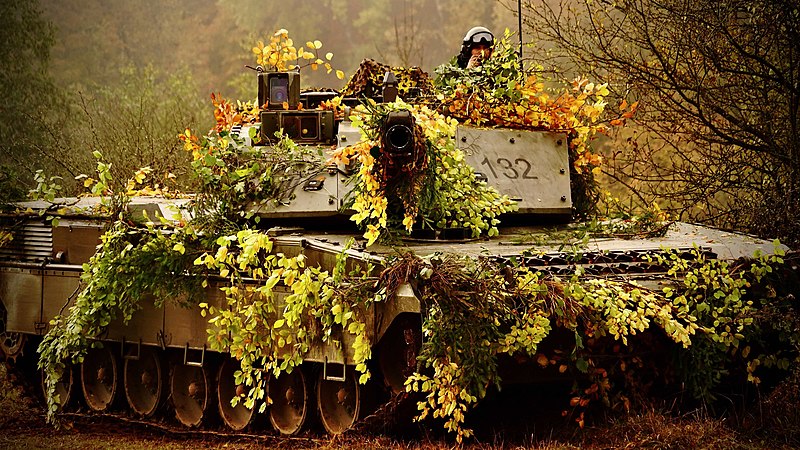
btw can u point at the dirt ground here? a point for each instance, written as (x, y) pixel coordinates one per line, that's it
(22, 426)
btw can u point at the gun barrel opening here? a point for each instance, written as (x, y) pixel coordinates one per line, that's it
(399, 137)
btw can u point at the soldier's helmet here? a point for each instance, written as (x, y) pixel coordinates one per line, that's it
(478, 35)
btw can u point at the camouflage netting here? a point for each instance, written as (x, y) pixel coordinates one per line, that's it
(367, 81)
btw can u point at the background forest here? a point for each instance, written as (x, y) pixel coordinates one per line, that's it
(715, 139)
(125, 78)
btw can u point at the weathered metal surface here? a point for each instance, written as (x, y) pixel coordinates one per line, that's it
(21, 293)
(146, 327)
(531, 168)
(184, 325)
(61, 287)
(305, 202)
(540, 238)
(74, 242)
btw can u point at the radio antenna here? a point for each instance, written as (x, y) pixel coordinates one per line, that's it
(519, 15)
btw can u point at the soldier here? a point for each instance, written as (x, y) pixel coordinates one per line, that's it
(476, 47)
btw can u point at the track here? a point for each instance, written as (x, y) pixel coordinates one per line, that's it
(178, 432)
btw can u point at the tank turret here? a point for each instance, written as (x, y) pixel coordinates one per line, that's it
(530, 167)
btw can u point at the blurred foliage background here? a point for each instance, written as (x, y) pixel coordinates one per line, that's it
(212, 38)
(126, 77)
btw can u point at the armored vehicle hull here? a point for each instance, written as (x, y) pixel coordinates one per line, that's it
(162, 352)
(163, 356)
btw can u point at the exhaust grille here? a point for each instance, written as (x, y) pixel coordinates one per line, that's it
(600, 263)
(32, 242)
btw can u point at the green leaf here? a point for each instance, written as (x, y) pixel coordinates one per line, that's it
(582, 365)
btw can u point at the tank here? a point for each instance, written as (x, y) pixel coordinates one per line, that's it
(162, 361)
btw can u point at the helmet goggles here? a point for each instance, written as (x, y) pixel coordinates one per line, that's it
(482, 37)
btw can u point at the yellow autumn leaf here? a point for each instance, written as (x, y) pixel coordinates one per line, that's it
(340, 74)
(329, 56)
(408, 222)
(372, 234)
(317, 45)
